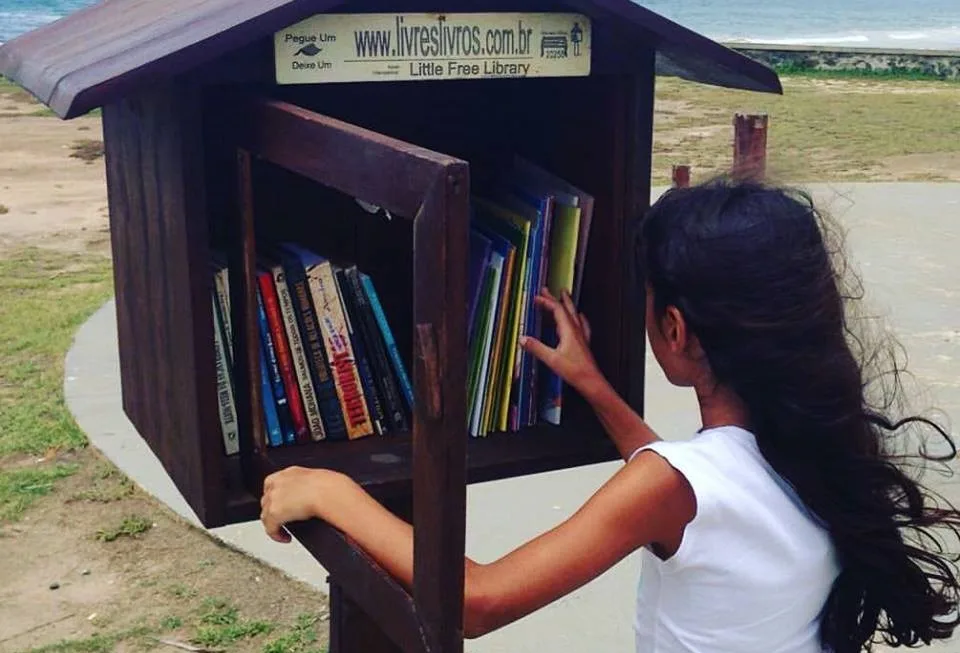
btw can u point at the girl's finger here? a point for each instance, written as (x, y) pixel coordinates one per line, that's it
(538, 349)
(567, 302)
(561, 317)
(585, 325)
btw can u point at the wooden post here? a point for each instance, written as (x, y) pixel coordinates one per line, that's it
(681, 176)
(750, 146)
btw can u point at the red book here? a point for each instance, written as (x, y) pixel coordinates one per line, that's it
(275, 320)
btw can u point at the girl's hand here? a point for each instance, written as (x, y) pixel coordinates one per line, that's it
(572, 359)
(290, 495)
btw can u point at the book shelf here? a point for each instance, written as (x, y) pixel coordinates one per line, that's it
(287, 151)
(284, 172)
(207, 149)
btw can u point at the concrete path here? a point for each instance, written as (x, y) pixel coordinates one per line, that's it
(905, 238)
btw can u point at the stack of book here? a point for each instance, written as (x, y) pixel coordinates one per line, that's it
(329, 364)
(530, 233)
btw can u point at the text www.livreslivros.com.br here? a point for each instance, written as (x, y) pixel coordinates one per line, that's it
(442, 40)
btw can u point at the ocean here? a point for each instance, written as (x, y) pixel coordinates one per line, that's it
(931, 24)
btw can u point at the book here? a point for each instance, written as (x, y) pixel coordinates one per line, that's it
(529, 231)
(226, 399)
(394, 353)
(302, 298)
(298, 353)
(282, 408)
(359, 343)
(516, 231)
(376, 348)
(336, 339)
(278, 336)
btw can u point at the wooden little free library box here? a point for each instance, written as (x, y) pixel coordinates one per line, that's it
(363, 132)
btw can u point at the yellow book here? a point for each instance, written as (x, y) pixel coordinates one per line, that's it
(563, 249)
(509, 370)
(494, 378)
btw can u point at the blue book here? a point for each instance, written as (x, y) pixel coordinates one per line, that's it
(394, 353)
(479, 256)
(269, 404)
(285, 421)
(537, 210)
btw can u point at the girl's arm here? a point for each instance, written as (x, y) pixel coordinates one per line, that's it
(645, 502)
(574, 362)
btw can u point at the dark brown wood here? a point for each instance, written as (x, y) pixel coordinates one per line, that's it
(246, 342)
(164, 321)
(389, 606)
(681, 176)
(364, 164)
(638, 133)
(431, 390)
(750, 146)
(384, 465)
(439, 440)
(351, 629)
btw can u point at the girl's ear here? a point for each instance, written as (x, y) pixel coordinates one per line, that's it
(678, 335)
(674, 330)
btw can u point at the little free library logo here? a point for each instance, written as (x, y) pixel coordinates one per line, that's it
(394, 47)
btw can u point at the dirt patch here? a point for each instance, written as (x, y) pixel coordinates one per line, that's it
(138, 584)
(942, 166)
(51, 199)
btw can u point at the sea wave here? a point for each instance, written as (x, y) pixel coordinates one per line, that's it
(939, 38)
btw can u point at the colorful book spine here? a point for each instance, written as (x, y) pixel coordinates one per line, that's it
(225, 396)
(391, 344)
(375, 350)
(329, 404)
(273, 371)
(284, 359)
(298, 353)
(272, 421)
(361, 353)
(340, 355)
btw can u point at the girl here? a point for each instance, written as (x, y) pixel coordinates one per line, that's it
(784, 525)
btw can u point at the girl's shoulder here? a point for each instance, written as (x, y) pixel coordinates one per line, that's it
(710, 459)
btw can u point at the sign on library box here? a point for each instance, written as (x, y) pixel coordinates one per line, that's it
(394, 47)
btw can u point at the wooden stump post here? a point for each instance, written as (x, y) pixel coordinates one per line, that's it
(681, 176)
(750, 146)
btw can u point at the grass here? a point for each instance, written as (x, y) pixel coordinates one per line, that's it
(171, 623)
(45, 297)
(220, 624)
(21, 487)
(819, 129)
(88, 150)
(109, 485)
(883, 75)
(301, 639)
(99, 643)
(213, 624)
(130, 526)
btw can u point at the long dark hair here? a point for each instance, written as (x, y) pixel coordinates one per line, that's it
(759, 276)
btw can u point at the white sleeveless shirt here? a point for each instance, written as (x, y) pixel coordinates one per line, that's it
(754, 568)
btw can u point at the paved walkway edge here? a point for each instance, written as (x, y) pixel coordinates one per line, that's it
(92, 392)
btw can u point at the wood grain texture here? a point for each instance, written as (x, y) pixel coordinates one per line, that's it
(352, 629)
(439, 437)
(378, 169)
(750, 146)
(110, 50)
(242, 256)
(638, 100)
(367, 586)
(164, 323)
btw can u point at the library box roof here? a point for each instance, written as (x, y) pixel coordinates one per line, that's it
(116, 47)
